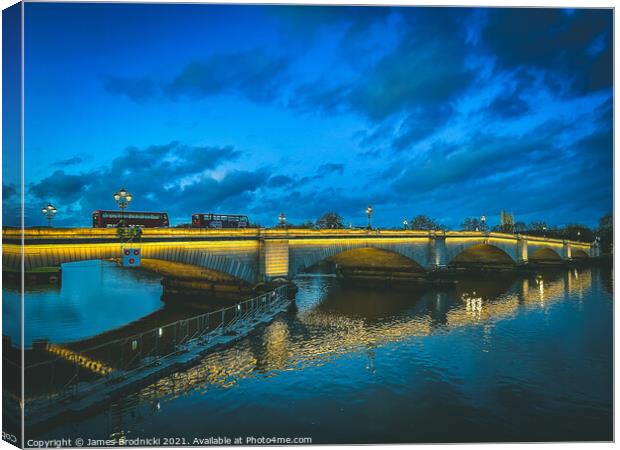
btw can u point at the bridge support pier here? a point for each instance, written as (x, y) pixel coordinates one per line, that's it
(522, 251)
(567, 251)
(273, 259)
(437, 252)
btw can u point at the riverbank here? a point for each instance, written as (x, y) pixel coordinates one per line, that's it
(40, 275)
(84, 398)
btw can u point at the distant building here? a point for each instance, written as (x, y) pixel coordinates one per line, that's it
(507, 221)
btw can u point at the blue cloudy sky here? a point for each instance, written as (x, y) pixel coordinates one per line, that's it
(449, 112)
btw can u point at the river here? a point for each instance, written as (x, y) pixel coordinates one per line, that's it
(498, 358)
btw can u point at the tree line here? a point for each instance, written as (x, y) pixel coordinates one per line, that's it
(571, 231)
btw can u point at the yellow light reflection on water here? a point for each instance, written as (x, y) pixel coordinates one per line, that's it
(95, 366)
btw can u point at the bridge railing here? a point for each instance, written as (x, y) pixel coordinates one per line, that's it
(73, 369)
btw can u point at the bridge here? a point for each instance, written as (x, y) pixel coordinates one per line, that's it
(251, 256)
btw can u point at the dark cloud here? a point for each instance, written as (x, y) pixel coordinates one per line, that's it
(413, 75)
(171, 161)
(438, 171)
(370, 138)
(482, 156)
(574, 49)
(233, 193)
(319, 96)
(61, 185)
(137, 89)
(280, 181)
(321, 172)
(508, 105)
(420, 79)
(254, 74)
(307, 20)
(421, 124)
(425, 68)
(74, 160)
(301, 23)
(171, 177)
(537, 175)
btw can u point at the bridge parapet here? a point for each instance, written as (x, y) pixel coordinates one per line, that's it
(34, 234)
(256, 254)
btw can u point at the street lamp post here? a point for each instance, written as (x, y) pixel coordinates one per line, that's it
(282, 219)
(122, 199)
(49, 211)
(405, 224)
(369, 215)
(483, 222)
(545, 232)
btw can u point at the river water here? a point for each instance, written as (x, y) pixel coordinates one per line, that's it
(501, 358)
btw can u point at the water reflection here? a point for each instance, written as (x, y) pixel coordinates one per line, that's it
(94, 297)
(347, 319)
(478, 353)
(97, 302)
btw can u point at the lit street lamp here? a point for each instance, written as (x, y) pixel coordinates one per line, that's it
(282, 219)
(483, 222)
(49, 211)
(405, 224)
(122, 199)
(369, 215)
(579, 235)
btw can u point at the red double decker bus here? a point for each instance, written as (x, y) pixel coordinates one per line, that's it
(212, 220)
(111, 219)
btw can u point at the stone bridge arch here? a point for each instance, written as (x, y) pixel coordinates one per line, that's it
(547, 251)
(482, 253)
(542, 254)
(375, 258)
(455, 247)
(304, 256)
(205, 259)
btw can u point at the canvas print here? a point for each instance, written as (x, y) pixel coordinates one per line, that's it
(298, 224)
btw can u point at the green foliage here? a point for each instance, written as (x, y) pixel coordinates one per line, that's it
(472, 224)
(537, 226)
(423, 222)
(506, 228)
(577, 232)
(306, 225)
(571, 231)
(330, 220)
